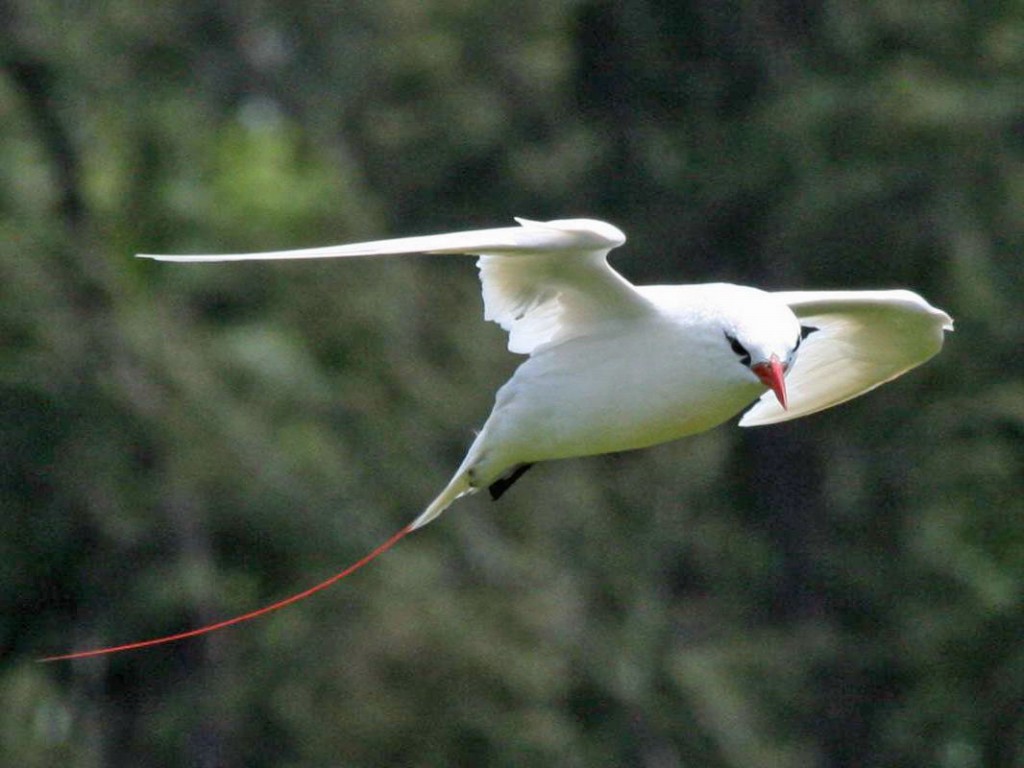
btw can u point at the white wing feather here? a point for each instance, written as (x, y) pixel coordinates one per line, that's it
(864, 339)
(542, 282)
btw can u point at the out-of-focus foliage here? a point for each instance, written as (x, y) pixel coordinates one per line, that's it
(181, 444)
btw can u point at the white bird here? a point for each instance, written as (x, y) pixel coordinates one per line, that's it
(613, 366)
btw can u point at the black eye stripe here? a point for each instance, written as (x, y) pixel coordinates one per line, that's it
(739, 349)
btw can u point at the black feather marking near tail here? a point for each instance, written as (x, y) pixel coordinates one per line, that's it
(502, 484)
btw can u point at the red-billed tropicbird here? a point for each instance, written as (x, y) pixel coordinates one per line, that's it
(612, 366)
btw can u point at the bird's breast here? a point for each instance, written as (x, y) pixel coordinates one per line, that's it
(626, 389)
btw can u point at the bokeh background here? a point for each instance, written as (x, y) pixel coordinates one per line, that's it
(183, 443)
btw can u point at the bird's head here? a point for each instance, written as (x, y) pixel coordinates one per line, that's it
(764, 337)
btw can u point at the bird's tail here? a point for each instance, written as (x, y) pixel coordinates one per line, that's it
(458, 486)
(380, 550)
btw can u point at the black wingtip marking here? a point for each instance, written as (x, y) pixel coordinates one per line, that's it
(502, 484)
(805, 331)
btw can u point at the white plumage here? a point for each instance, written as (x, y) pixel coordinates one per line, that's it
(614, 366)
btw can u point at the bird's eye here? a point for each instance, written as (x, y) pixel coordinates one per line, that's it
(739, 349)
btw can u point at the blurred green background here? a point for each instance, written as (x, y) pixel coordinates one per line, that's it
(184, 443)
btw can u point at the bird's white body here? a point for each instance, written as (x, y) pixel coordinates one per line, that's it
(613, 366)
(633, 384)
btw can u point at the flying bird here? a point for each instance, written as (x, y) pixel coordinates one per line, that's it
(613, 366)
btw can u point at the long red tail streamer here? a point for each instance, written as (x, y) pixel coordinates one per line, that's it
(245, 616)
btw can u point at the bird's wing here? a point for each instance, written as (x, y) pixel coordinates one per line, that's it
(542, 281)
(862, 339)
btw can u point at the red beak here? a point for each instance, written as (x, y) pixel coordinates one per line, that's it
(773, 376)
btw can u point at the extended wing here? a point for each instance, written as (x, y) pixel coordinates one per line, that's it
(863, 339)
(542, 281)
